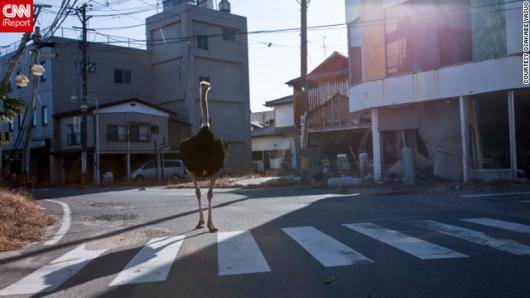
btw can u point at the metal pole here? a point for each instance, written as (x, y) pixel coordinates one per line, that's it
(303, 82)
(28, 118)
(158, 161)
(98, 176)
(128, 154)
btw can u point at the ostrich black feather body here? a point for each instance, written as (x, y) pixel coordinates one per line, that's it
(204, 153)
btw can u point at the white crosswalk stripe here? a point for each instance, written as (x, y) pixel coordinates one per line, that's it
(506, 245)
(500, 224)
(238, 253)
(328, 251)
(51, 276)
(152, 263)
(411, 245)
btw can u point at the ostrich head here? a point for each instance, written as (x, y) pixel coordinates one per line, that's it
(204, 90)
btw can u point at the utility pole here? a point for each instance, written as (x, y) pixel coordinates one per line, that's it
(303, 86)
(81, 13)
(28, 117)
(26, 133)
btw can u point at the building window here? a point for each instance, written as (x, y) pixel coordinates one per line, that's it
(122, 76)
(202, 42)
(154, 129)
(397, 28)
(455, 32)
(43, 77)
(74, 137)
(10, 125)
(34, 120)
(127, 77)
(117, 133)
(229, 34)
(489, 29)
(356, 62)
(139, 133)
(44, 114)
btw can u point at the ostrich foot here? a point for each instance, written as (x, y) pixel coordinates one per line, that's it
(200, 225)
(211, 228)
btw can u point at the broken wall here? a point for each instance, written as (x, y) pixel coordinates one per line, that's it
(438, 125)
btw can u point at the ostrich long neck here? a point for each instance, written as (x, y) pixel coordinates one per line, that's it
(204, 106)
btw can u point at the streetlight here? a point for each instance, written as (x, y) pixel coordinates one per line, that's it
(75, 98)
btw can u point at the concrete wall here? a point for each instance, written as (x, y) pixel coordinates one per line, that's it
(284, 115)
(453, 81)
(67, 78)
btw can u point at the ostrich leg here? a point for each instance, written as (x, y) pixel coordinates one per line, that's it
(210, 225)
(200, 225)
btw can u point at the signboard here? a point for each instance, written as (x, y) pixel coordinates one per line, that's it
(16, 16)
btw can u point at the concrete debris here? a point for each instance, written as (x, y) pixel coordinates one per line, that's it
(396, 169)
(421, 163)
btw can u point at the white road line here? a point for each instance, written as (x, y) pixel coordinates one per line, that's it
(328, 251)
(506, 245)
(411, 245)
(65, 224)
(152, 263)
(238, 253)
(51, 276)
(500, 224)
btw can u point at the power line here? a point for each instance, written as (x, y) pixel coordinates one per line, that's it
(271, 31)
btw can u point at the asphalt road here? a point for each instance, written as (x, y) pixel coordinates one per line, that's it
(276, 243)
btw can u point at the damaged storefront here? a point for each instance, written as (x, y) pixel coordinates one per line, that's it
(493, 143)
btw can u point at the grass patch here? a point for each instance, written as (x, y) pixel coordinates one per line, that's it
(21, 220)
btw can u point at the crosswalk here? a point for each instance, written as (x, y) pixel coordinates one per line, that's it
(238, 252)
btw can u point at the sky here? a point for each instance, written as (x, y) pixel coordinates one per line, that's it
(274, 58)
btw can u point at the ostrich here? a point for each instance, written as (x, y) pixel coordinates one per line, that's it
(204, 156)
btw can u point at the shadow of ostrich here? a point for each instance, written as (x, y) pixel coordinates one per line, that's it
(204, 156)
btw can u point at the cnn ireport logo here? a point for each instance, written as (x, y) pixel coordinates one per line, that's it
(16, 16)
